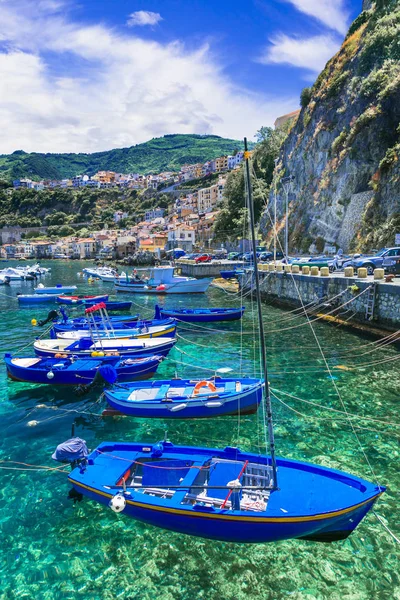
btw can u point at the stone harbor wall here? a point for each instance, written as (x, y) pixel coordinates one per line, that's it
(285, 289)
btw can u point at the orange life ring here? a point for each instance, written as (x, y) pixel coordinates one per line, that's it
(201, 384)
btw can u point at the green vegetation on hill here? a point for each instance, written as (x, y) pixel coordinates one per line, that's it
(58, 208)
(168, 153)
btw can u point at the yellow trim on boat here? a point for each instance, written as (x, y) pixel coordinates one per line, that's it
(318, 517)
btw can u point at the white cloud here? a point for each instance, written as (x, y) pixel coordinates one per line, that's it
(123, 90)
(143, 17)
(331, 13)
(307, 53)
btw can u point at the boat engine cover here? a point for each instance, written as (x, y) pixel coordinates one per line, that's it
(71, 450)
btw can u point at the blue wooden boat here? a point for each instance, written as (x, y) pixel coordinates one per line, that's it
(220, 494)
(87, 347)
(58, 290)
(138, 332)
(200, 315)
(71, 371)
(82, 324)
(187, 399)
(81, 300)
(35, 298)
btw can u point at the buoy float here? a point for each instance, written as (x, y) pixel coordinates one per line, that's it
(32, 423)
(34, 322)
(117, 503)
(50, 375)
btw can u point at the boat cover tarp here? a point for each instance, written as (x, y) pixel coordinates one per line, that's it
(72, 449)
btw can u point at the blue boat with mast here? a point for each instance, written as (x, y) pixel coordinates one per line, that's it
(224, 494)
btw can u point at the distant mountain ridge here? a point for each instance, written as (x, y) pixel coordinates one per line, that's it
(167, 153)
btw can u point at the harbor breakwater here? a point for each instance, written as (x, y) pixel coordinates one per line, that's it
(357, 300)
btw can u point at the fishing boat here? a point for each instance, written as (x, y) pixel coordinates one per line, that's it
(187, 399)
(79, 300)
(224, 494)
(58, 289)
(35, 298)
(71, 371)
(162, 280)
(138, 332)
(88, 347)
(200, 315)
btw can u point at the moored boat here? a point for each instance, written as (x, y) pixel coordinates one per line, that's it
(81, 300)
(162, 280)
(200, 315)
(222, 494)
(35, 298)
(187, 399)
(87, 347)
(58, 289)
(71, 371)
(139, 332)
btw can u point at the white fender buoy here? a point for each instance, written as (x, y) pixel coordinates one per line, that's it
(50, 375)
(117, 503)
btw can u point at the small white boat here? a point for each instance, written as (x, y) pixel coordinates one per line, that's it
(134, 332)
(112, 277)
(58, 289)
(163, 281)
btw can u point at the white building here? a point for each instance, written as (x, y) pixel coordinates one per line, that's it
(182, 236)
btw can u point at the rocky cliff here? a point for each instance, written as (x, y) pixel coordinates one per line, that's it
(343, 152)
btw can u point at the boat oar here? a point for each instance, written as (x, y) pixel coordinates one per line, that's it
(231, 490)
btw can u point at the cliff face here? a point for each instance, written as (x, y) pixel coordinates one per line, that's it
(343, 151)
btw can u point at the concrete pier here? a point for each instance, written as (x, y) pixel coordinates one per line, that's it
(373, 303)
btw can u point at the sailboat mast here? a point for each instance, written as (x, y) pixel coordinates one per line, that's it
(268, 406)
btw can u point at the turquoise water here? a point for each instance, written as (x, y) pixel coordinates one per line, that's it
(53, 549)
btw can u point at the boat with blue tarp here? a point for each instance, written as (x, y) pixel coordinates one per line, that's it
(187, 399)
(77, 371)
(58, 289)
(200, 315)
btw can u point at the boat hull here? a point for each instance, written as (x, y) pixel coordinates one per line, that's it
(36, 298)
(197, 316)
(75, 301)
(312, 502)
(39, 373)
(124, 350)
(56, 290)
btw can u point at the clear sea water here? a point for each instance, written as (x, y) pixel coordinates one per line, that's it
(53, 549)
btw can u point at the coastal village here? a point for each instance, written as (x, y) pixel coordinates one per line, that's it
(186, 223)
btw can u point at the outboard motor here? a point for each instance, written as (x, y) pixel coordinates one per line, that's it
(74, 452)
(52, 315)
(105, 375)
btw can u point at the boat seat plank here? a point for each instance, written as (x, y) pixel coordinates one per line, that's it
(162, 392)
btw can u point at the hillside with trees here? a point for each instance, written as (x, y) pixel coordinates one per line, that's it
(167, 153)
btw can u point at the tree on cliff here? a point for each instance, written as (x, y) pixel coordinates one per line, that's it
(231, 222)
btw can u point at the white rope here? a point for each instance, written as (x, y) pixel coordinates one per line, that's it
(327, 364)
(381, 521)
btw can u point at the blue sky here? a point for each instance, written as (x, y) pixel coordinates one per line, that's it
(97, 74)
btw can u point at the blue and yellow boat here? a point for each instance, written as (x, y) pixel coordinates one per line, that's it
(220, 494)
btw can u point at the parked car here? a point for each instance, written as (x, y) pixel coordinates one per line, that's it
(382, 259)
(233, 255)
(203, 258)
(266, 256)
